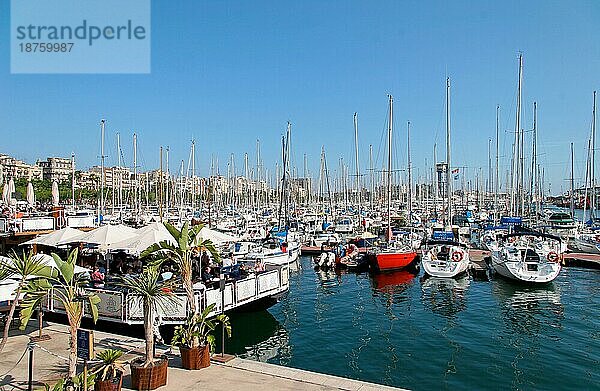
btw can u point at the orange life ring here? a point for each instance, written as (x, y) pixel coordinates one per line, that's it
(457, 256)
(552, 256)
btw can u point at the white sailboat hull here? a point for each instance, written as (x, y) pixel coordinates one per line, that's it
(523, 271)
(444, 269)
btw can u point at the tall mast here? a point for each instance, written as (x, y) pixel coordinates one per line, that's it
(448, 149)
(358, 195)
(572, 203)
(489, 184)
(389, 169)
(193, 156)
(73, 180)
(517, 184)
(135, 179)
(409, 176)
(593, 164)
(258, 173)
(371, 176)
(102, 122)
(168, 198)
(497, 178)
(533, 158)
(434, 180)
(120, 174)
(306, 181)
(159, 188)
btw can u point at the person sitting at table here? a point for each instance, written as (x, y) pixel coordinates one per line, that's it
(204, 260)
(206, 274)
(259, 267)
(97, 278)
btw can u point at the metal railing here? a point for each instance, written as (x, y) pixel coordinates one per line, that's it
(118, 306)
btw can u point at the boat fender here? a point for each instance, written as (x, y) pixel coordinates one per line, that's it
(552, 256)
(457, 256)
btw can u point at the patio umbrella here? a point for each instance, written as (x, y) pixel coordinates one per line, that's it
(55, 194)
(8, 289)
(45, 260)
(103, 236)
(137, 244)
(11, 188)
(215, 236)
(53, 238)
(30, 194)
(5, 197)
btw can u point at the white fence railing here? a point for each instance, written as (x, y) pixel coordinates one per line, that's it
(118, 306)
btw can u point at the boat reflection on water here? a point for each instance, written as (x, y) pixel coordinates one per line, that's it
(532, 317)
(392, 286)
(392, 281)
(258, 336)
(526, 310)
(444, 296)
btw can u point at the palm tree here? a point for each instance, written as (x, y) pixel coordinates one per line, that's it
(155, 296)
(188, 242)
(68, 288)
(23, 267)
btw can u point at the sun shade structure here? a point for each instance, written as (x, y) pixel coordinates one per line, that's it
(137, 244)
(104, 236)
(55, 194)
(53, 238)
(30, 194)
(215, 236)
(9, 286)
(46, 260)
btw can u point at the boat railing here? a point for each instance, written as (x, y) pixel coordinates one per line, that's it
(119, 306)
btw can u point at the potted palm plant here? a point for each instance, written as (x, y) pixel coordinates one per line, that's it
(109, 372)
(75, 383)
(198, 327)
(150, 373)
(67, 288)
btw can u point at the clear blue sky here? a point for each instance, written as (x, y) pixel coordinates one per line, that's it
(227, 73)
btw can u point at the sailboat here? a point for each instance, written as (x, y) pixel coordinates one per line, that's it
(588, 240)
(522, 254)
(444, 255)
(394, 254)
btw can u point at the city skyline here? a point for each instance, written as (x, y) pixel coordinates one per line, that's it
(229, 74)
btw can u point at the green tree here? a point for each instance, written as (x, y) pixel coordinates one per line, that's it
(68, 289)
(155, 296)
(22, 267)
(188, 242)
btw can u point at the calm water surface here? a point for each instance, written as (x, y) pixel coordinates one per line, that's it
(401, 330)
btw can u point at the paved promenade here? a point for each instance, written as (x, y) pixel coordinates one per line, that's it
(238, 374)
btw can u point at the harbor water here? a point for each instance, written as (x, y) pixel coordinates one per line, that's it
(406, 331)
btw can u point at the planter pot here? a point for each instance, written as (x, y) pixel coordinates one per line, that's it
(113, 384)
(195, 358)
(151, 377)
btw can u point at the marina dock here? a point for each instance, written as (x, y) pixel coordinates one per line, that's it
(591, 261)
(238, 373)
(478, 265)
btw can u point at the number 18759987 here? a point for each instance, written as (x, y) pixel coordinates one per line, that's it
(34, 47)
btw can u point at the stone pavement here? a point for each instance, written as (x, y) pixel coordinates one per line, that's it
(238, 374)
